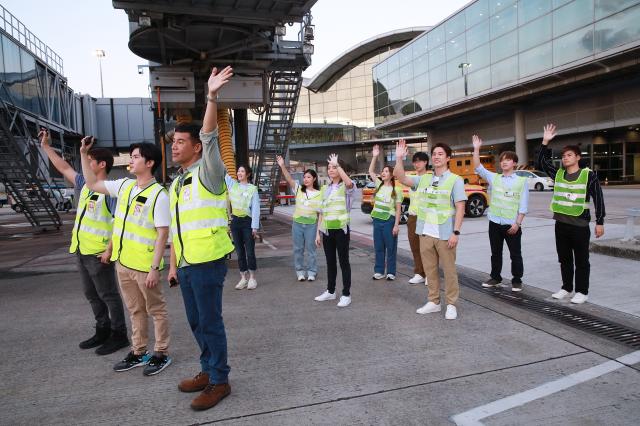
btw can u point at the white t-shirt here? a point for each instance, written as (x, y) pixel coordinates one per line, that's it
(311, 192)
(161, 213)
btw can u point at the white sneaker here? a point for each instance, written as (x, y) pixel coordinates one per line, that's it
(561, 294)
(417, 279)
(301, 276)
(325, 296)
(242, 284)
(452, 312)
(252, 284)
(311, 277)
(429, 308)
(579, 298)
(378, 276)
(391, 277)
(344, 301)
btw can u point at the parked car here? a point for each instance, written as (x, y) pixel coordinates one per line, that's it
(4, 199)
(477, 200)
(360, 179)
(537, 180)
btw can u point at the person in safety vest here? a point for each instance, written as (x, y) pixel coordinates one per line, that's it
(573, 188)
(91, 242)
(305, 221)
(333, 226)
(387, 202)
(200, 243)
(507, 207)
(245, 223)
(441, 201)
(140, 230)
(420, 162)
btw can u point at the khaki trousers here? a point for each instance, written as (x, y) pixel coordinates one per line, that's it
(433, 252)
(414, 243)
(142, 302)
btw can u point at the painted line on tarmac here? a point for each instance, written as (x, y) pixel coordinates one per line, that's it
(269, 244)
(473, 416)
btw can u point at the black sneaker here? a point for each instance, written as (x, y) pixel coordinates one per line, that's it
(491, 283)
(101, 336)
(132, 361)
(156, 364)
(117, 341)
(516, 285)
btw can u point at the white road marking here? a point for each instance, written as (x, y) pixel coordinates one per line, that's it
(269, 244)
(473, 416)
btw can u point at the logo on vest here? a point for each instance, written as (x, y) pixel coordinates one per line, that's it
(571, 196)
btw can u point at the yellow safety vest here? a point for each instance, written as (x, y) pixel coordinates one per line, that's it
(384, 204)
(94, 224)
(334, 208)
(570, 198)
(434, 205)
(241, 199)
(134, 231)
(307, 207)
(506, 203)
(198, 221)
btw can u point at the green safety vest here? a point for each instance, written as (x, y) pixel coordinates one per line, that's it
(434, 203)
(307, 207)
(413, 203)
(334, 208)
(506, 203)
(199, 221)
(570, 198)
(384, 204)
(241, 199)
(94, 224)
(134, 231)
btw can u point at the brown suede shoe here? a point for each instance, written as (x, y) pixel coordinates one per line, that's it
(210, 396)
(195, 384)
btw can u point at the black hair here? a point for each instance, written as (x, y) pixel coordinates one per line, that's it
(247, 170)
(447, 148)
(420, 156)
(573, 148)
(149, 152)
(192, 129)
(316, 185)
(393, 182)
(100, 155)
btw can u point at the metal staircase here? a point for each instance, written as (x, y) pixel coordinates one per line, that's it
(274, 131)
(21, 170)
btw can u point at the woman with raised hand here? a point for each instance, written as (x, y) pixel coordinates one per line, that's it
(305, 221)
(387, 203)
(245, 222)
(333, 230)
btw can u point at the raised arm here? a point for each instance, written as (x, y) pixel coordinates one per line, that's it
(91, 179)
(333, 159)
(398, 170)
(477, 143)
(374, 159)
(215, 82)
(285, 172)
(58, 162)
(544, 156)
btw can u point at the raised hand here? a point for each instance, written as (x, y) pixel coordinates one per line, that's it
(549, 133)
(219, 79)
(376, 150)
(86, 144)
(477, 142)
(333, 160)
(43, 135)
(401, 150)
(280, 160)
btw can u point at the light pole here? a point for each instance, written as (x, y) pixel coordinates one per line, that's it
(463, 66)
(100, 54)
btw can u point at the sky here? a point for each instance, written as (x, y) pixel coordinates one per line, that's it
(75, 29)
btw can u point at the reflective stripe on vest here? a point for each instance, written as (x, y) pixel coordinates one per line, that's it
(241, 199)
(570, 198)
(506, 203)
(384, 204)
(199, 222)
(434, 202)
(134, 231)
(334, 208)
(93, 226)
(307, 207)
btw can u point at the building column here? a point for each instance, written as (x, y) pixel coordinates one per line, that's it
(522, 150)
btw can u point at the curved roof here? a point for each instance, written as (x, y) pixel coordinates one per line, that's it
(360, 53)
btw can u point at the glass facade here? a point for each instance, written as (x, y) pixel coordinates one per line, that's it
(493, 44)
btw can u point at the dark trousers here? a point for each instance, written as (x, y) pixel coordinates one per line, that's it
(244, 242)
(497, 236)
(572, 245)
(337, 241)
(201, 287)
(100, 287)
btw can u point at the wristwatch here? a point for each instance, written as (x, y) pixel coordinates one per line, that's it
(155, 268)
(456, 232)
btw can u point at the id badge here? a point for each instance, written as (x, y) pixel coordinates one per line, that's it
(306, 203)
(509, 194)
(137, 209)
(430, 190)
(571, 196)
(91, 206)
(186, 196)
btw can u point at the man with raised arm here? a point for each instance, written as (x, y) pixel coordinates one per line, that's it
(200, 242)
(91, 242)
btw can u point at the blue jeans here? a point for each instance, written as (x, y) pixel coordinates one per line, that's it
(244, 242)
(385, 242)
(201, 287)
(304, 240)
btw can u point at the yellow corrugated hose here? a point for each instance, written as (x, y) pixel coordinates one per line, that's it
(225, 142)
